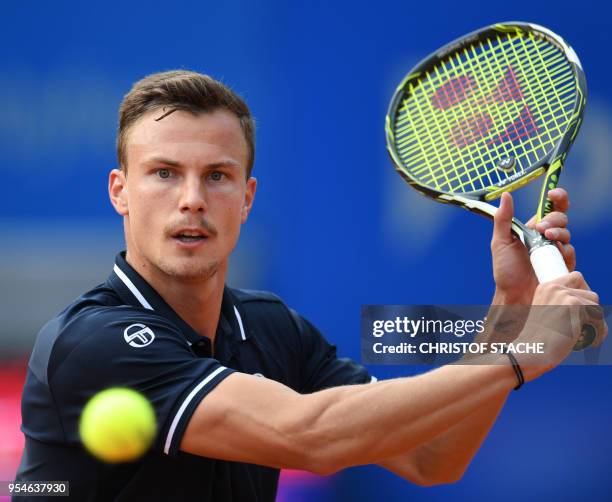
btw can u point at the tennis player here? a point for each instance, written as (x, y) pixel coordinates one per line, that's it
(242, 385)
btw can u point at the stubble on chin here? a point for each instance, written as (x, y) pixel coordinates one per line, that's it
(184, 270)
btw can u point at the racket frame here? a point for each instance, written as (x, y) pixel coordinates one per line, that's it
(545, 257)
(550, 165)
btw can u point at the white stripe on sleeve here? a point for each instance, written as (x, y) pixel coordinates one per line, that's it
(186, 402)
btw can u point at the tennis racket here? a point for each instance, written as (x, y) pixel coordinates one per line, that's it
(486, 114)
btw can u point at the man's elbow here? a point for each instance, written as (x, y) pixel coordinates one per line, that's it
(307, 458)
(440, 478)
(416, 474)
(428, 482)
(321, 467)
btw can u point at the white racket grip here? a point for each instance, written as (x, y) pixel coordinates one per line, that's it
(547, 262)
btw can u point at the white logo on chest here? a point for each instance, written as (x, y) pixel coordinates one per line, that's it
(138, 335)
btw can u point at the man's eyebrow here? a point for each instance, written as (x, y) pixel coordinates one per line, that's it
(174, 163)
(223, 163)
(162, 160)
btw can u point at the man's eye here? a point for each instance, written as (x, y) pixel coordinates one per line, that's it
(163, 173)
(216, 176)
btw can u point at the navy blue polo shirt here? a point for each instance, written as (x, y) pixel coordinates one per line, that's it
(122, 333)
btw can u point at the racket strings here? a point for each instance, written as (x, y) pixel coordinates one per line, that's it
(461, 110)
(489, 100)
(508, 96)
(472, 131)
(523, 127)
(408, 103)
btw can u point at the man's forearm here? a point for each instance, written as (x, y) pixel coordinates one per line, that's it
(445, 458)
(259, 421)
(397, 416)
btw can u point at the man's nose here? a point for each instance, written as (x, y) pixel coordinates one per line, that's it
(193, 196)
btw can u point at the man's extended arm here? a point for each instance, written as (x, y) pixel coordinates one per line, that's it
(250, 419)
(255, 420)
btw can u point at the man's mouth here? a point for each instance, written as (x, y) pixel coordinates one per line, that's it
(190, 235)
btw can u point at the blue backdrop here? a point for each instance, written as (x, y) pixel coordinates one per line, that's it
(333, 227)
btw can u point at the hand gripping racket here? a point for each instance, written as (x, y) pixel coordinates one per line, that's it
(486, 114)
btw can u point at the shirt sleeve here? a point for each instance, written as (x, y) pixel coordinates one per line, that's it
(125, 347)
(322, 367)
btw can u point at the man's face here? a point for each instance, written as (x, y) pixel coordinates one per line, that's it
(185, 194)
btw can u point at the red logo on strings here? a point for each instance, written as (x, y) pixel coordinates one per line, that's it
(478, 125)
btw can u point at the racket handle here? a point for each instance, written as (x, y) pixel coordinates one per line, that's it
(548, 264)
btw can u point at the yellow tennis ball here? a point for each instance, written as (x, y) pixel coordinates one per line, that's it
(118, 425)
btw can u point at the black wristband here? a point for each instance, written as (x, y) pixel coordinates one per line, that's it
(517, 369)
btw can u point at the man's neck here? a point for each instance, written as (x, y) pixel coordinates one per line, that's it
(198, 303)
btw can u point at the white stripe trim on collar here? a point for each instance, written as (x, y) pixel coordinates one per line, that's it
(132, 288)
(186, 402)
(242, 334)
(130, 285)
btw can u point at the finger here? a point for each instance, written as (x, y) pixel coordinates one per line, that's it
(560, 199)
(562, 235)
(556, 219)
(502, 221)
(595, 312)
(573, 280)
(532, 222)
(586, 297)
(577, 281)
(569, 255)
(602, 333)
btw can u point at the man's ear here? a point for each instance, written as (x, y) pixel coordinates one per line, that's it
(117, 191)
(249, 198)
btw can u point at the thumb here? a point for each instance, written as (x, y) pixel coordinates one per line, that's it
(502, 221)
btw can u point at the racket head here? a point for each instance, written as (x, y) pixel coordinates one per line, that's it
(487, 113)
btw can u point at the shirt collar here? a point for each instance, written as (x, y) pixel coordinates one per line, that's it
(134, 290)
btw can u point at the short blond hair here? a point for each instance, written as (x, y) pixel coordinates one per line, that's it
(181, 90)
